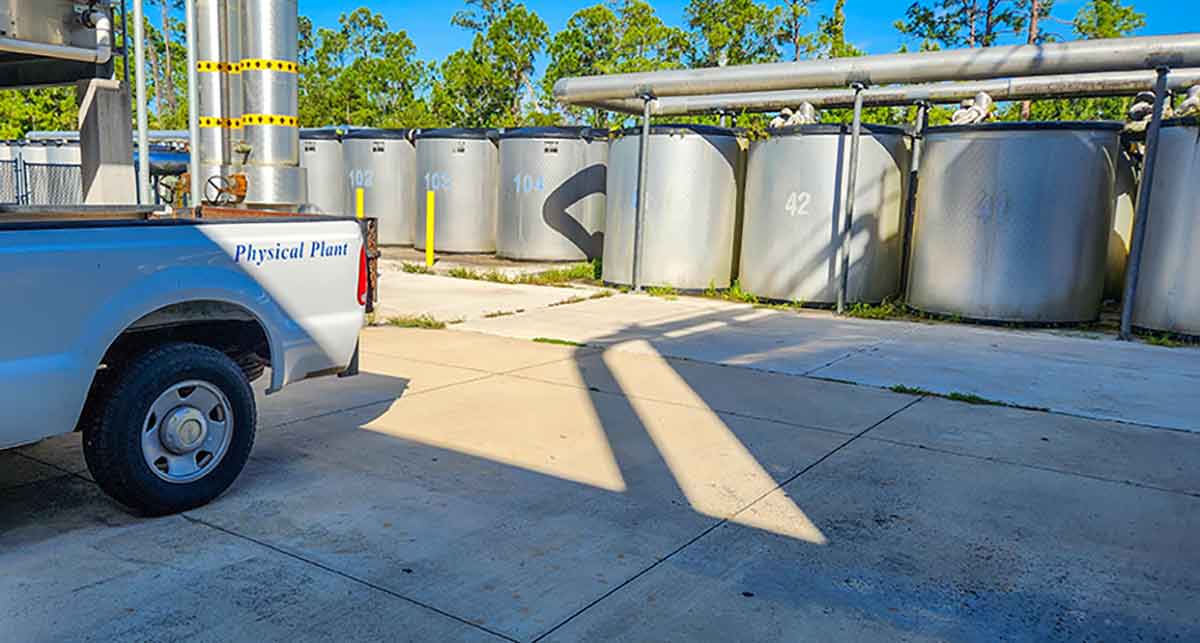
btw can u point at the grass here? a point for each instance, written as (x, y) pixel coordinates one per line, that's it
(576, 273)
(664, 292)
(427, 322)
(885, 310)
(503, 313)
(577, 299)
(416, 269)
(734, 293)
(1166, 340)
(556, 342)
(965, 398)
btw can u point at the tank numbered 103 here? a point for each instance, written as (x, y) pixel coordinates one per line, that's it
(528, 183)
(437, 182)
(797, 204)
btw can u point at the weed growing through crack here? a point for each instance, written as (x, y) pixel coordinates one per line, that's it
(556, 342)
(427, 322)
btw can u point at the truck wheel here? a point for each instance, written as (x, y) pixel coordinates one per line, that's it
(175, 431)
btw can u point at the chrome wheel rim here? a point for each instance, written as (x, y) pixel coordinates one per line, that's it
(187, 431)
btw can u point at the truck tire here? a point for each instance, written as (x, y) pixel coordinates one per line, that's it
(175, 430)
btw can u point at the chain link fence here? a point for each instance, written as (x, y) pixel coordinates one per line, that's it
(10, 183)
(53, 184)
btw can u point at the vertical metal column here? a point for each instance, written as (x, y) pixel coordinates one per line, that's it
(851, 187)
(1142, 213)
(910, 202)
(639, 220)
(143, 126)
(189, 8)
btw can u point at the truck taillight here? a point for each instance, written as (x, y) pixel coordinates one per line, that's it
(362, 276)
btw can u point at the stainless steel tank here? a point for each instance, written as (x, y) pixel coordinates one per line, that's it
(693, 183)
(321, 155)
(552, 182)
(383, 164)
(270, 123)
(462, 168)
(216, 64)
(794, 209)
(53, 173)
(1168, 292)
(1013, 220)
(1122, 230)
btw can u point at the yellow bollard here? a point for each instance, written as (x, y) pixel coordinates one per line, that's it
(430, 202)
(359, 208)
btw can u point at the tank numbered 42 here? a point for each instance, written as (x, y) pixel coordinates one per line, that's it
(797, 204)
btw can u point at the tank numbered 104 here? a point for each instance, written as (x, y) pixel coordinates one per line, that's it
(528, 183)
(437, 182)
(797, 204)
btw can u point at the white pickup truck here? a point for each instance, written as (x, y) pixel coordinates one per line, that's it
(144, 333)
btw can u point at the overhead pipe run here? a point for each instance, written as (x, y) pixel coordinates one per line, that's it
(100, 54)
(1007, 89)
(1078, 57)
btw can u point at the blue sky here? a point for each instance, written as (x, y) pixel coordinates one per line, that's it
(869, 22)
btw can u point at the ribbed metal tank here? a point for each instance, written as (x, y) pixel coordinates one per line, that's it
(1168, 292)
(1013, 221)
(462, 168)
(217, 57)
(792, 229)
(1122, 230)
(552, 182)
(53, 173)
(383, 164)
(321, 155)
(693, 180)
(270, 126)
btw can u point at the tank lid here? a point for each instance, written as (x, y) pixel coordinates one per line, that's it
(586, 133)
(1182, 121)
(833, 128)
(476, 133)
(320, 134)
(360, 133)
(683, 128)
(1029, 126)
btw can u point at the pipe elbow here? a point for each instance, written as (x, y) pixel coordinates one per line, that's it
(102, 23)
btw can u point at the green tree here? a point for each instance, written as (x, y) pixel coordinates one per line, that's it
(612, 38)
(731, 32)
(790, 31)
(1096, 19)
(831, 42)
(963, 23)
(486, 84)
(362, 74)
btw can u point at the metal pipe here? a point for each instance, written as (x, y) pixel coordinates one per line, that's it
(99, 55)
(1083, 56)
(1142, 213)
(851, 186)
(189, 8)
(125, 43)
(143, 126)
(639, 216)
(910, 202)
(1005, 89)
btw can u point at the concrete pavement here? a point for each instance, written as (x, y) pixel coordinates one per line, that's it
(479, 487)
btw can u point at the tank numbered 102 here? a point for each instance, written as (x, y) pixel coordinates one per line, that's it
(437, 182)
(797, 204)
(362, 178)
(528, 183)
